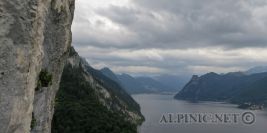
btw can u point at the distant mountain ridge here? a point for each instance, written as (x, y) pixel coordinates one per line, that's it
(137, 85)
(173, 81)
(132, 85)
(236, 87)
(127, 82)
(107, 72)
(258, 69)
(153, 85)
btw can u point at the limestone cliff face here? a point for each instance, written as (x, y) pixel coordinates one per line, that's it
(35, 35)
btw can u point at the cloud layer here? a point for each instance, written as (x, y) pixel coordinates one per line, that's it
(172, 36)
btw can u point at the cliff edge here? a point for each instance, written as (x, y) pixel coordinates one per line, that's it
(35, 37)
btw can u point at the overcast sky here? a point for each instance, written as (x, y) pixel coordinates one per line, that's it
(171, 36)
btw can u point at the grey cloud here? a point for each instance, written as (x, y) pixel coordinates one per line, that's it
(122, 15)
(174, 62)
(231, 25)
(190, 23)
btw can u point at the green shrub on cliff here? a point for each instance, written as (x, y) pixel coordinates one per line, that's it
(45, 79)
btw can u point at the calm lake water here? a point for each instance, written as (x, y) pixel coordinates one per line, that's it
(154, 106)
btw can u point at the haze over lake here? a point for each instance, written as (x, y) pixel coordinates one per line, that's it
(154, 106)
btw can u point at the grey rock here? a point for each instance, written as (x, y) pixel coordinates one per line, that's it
(34, 35)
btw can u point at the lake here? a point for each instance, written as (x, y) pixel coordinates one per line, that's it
(154, 106)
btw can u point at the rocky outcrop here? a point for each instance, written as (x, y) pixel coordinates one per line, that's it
(35, 35)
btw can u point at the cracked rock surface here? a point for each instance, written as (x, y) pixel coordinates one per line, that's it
(35, 35)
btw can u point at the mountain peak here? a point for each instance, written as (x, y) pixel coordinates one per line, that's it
(257, 69)
(105, 68)
(110, 74)
(212, 73)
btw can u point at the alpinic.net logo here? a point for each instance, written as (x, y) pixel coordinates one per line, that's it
(246, 118)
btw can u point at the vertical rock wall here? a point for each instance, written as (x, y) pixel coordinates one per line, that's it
(35, 35)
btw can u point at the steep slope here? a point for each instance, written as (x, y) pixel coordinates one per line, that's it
(108, 73)
(256, 93)
(35, 37)
(90, 102)
(216, 87)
